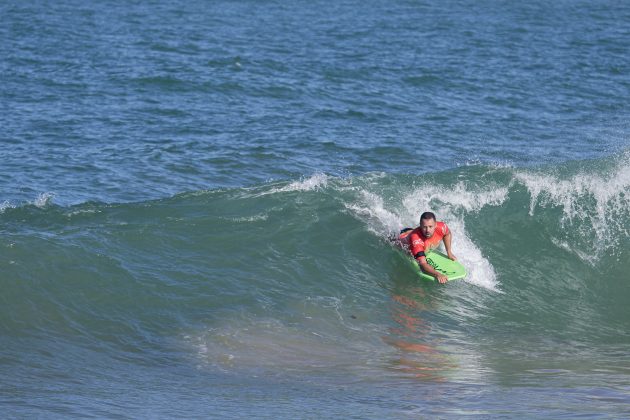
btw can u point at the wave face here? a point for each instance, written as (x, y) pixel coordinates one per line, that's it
(295, 282)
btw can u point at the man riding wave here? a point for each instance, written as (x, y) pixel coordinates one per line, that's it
(423, 239)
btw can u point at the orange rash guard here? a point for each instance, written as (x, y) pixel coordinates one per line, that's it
(417, 244)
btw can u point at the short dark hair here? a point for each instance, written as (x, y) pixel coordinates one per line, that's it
(427, 215)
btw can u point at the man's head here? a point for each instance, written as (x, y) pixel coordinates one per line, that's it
(427, 224)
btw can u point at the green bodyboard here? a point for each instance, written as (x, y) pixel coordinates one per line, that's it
(454, 270)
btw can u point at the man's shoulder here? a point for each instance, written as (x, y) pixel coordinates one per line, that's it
(443, 227)
(416, 238)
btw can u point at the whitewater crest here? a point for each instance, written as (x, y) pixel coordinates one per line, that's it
(5, 205)
(44, 199)
(595, 205)
(41, 201)
(315, 182)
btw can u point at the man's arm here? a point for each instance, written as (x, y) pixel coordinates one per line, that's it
(417, 250)
(426, 267)
(447, 245)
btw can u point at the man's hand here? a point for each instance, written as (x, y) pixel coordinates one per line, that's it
(452, 256)
(426, 268)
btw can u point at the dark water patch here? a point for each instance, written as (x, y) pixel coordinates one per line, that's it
(424, 80)
(163, 82)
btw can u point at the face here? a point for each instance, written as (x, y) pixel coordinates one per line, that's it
(427, 226)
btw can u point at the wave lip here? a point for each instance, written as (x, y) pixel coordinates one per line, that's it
(314, 182)
(594, 203)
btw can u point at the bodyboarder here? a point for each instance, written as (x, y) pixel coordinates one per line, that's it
(424, 238)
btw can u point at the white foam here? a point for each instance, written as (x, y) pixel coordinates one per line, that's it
(371, 208)
(44, 199)
(5, 205)
(314, 182)
(480, 271)
(600, 202)
(249, 219)
(453, 200)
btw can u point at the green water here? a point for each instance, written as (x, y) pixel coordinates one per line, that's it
(296, 285)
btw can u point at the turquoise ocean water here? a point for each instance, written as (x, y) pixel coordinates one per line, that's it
(196, 199)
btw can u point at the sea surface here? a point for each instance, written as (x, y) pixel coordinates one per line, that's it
(196, 199)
